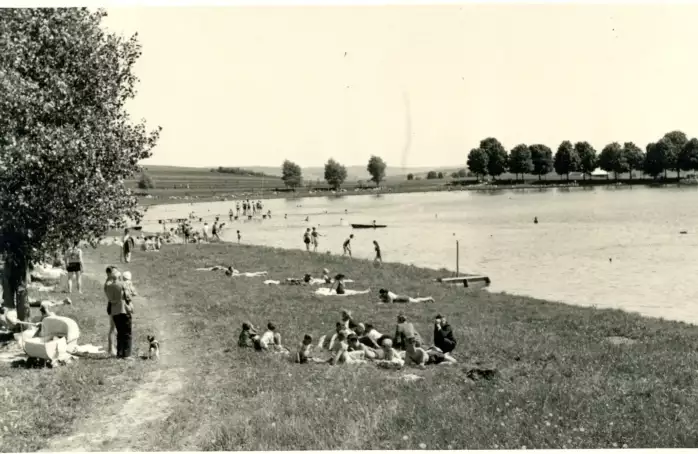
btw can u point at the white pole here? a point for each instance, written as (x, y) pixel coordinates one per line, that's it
(457, 259)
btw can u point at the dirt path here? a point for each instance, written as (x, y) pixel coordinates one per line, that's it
(117, 427)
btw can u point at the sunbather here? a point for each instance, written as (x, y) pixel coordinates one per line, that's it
(357, 350)
(391, 357)
(387, 296)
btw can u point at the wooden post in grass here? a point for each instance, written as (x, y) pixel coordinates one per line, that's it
(457, 259)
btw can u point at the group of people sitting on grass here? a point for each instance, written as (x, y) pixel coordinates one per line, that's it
(357, 343)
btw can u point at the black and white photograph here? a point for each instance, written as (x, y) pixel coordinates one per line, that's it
(322, 226)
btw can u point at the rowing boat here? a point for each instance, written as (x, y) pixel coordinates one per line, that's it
(368, 226)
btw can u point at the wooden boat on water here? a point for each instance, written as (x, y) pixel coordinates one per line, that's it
(368, 226)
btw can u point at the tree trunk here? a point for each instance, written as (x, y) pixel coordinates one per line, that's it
(539, 177)
(665, 174)
(14, 291)
(678, 174)
(568, 177)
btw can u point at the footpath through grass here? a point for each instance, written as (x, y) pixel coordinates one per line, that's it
(39, 404)
(561, 383)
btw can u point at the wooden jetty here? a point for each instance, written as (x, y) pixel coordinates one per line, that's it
(465, 281)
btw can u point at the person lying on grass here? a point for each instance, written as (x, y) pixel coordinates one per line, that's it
(354, 347)
(248, 335)
(371, 337)
(341, 354)
(403, 331)
(417, 355)
(391, 357)
(386, 296)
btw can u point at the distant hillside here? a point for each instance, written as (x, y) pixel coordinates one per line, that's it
(354, 173)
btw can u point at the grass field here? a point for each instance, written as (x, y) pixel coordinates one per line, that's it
(561, 383)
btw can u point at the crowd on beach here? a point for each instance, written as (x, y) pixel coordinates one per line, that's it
(358, 343)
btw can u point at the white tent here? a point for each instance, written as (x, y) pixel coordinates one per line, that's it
(599, 173)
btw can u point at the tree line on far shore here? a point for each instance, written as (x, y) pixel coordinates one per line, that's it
(335, 173)
(674, 151)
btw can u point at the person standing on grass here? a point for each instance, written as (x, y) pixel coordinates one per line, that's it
(74, 266)
(347, 245)
(120, 310)
(306, 239)
(127, 246)
(444, 339)
(379, 258)
(315, 236)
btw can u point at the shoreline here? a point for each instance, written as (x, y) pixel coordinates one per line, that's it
(225, 196)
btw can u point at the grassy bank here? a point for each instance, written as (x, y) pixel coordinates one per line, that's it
(38, 404)
(561, 383)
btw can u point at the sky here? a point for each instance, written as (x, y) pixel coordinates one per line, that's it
(416, 85)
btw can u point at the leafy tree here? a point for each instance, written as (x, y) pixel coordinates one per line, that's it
(497, 158)
(462, 173)
(431, 175)
(477, 162)
(67, 143)
(410, 176)
(542, 158)
(520, 161)
(633, 156)
(566, 159)
(376, 167)
(678, 141)
(688, 157)
(335, 173)
(454, 175)
(587, 158)
(440, 175)
(612, 159)
(146, 181)
(659, 158)
(291, 174)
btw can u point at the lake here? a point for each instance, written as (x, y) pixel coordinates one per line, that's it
(563, 258)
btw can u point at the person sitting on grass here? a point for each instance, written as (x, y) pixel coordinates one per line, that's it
(340, 284)
(305, 351)
(326, 276)
(444, 340)
(341, 354)
(270, 340)
(391, 357)
(248, 336)
(386, 296)
(403, 331)
(340, 328)
(347, 320)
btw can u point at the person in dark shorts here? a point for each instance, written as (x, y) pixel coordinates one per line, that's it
(379, 258)
(306, 239)
(347, 245)
(74, 267)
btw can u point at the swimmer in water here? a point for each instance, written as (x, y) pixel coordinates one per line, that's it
(307, 218)
(285, 216)
(535, 220)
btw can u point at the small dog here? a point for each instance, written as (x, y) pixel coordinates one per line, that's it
(153, 348)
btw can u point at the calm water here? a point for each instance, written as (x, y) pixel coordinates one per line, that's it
(564, 258)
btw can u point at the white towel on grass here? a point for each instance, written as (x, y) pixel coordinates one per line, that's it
(324, 291)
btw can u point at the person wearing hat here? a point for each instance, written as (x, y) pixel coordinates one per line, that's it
(443, 335)
(403, 331)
